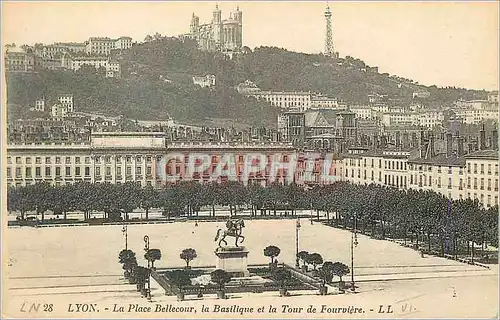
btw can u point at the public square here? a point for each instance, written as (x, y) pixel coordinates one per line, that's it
(66, 265)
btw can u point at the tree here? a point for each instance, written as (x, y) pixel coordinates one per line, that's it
(188, 255)
(152, 255)
(315, 259)
(148, 199)
(181, 279)
(129, 261)
(220, 277)
(282, 276)
(326, 272)
(339, 269)
(272, 252)
(302, 255)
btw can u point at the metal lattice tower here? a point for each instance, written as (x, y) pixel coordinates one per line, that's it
(328, 39)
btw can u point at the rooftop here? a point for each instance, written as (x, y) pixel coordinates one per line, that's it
(483, 154)
(441, 160)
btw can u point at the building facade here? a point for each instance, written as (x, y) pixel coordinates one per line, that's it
(219, 35)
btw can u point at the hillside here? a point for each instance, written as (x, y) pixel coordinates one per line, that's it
(143, 93)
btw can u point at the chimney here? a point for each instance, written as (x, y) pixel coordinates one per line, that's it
(482, 139)
(494, 139)
(414, 140)
(405, 140)
(471, 147)
(460, 148)
(449, 144)
(431, 145)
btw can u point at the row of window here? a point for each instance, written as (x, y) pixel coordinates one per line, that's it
(77, 159)
(482, 167)
(28, 172)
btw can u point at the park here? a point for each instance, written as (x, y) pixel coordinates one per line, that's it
(76, 264)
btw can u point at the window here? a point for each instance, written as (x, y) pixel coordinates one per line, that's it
(449, 183)
(380, 163)
(98, 159)
(460, 182)
(468, 167)
(18, 172)
(58, 171)
(9, 173)
(482, 168)
(47, 160)
(411, 179)
(77, 171)
(372, 164)
(87, 171)
(148, 170)
(380, 176)
(108, 171)
(47, 171)
(77, 160)
(489, 184)
(9, 160)
(475, 167)
(129, 170)
(28, 172)
(430, 181)
(118, 171)
(68, 171)
(58, 160)
(68, 160)
(496, 184)
(18, 160)
(38, 172)
(439, 182)
(449, 170)
(87, 160)
(138, 170)
(489, 168)
(118, 159)
(475, 183)
(97, 171)
(38, 160)
(489, 201)
(107, 159)
(496, 169)
(129, 159)
(482, 184)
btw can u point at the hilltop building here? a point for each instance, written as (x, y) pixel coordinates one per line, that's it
(218, 35)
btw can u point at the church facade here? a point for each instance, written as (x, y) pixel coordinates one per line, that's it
(219, 35)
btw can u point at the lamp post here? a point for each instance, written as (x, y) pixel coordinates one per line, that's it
(297, 227)
(146, 248)
(125, 232)
(354, 243)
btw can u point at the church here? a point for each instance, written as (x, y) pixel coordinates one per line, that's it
(218, 35)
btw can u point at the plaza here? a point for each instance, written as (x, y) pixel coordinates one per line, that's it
(75, 265)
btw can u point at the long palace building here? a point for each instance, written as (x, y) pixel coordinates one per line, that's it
(118, 157)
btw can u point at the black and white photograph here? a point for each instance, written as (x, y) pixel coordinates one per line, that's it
(252, 159)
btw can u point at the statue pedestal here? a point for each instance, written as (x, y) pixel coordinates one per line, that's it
(232, 260)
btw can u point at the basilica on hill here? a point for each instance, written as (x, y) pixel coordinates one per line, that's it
(218, 35)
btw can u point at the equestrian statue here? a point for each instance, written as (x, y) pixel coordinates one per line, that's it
(234, 229)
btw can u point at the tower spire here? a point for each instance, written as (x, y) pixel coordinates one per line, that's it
(328, 39)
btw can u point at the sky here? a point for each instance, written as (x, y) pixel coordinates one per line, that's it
(441, 43)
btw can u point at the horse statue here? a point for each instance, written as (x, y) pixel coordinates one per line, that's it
(234, 229)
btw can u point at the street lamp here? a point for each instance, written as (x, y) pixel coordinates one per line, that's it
(297, 227)
(354, 243)
(146, 248)
(125, 232)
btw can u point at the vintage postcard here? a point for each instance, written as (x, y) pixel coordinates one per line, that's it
(249, 159)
